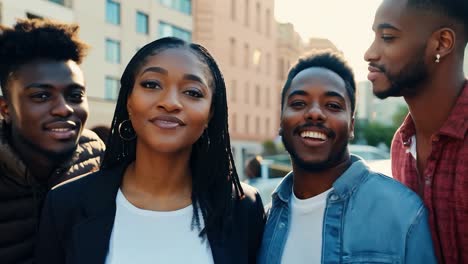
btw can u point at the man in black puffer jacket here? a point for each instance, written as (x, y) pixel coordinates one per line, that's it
(42, 137)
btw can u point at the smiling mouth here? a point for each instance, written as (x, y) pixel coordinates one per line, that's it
(61, 129)
(62, 133)
(166, 124)
(314, 135)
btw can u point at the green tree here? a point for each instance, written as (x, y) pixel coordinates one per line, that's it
(399, 115)
(269, 148)
(375, 133)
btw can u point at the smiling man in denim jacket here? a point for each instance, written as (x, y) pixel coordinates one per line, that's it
(331, 208)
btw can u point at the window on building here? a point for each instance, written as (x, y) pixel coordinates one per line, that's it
(257, 95)
(113, 12)
(246, 12)
(234, 122)
(60, 2)
(246, 55)
(281, 74)
(246, 124)
(184, 6)
(142, 25)
(267, 22)
(112, 86)
(233, 90)
(268, 63)
(246, 93)
(257, 125)
(233, 9)
(267, 97)
(169, 30)
(232, 51)
(267, 126)
(112, 51)
(256, 59)
(257, 17)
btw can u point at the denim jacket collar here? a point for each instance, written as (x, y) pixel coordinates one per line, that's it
(343, 186)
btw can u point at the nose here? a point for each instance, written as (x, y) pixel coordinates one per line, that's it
(315, 114)
(371, 53)
(62, 108)
(169, 100)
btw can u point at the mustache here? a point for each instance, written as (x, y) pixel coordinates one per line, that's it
(319, 126)
(380, 67)
(68, 120)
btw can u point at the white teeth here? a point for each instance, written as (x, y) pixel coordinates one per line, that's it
(60, 129)
(314, 135)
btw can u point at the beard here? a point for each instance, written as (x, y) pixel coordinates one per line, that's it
(407, 81)
(55, 157)
(330, 162)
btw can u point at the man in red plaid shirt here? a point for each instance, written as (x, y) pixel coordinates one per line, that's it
(418, 53)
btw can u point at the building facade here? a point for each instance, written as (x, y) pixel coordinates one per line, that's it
(241, 35)
(320, 44)
(115, 30)
(290, 47)
(372, 109)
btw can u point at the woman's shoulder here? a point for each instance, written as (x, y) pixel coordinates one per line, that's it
(251, 199)
(251, 193)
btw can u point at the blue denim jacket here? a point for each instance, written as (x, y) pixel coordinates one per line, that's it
(369, 218)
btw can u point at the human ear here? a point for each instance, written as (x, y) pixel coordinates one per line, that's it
(4, 111)
(351, 129)
(442, 43)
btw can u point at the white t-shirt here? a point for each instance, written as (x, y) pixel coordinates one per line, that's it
(304, 242)
(412, 149)
(144, 236)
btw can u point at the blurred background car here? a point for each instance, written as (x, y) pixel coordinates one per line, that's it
(368, 153)
(378, 159)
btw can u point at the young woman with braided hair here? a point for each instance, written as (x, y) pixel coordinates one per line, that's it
(168, 190)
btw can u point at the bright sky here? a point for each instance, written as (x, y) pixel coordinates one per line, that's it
(346, 23)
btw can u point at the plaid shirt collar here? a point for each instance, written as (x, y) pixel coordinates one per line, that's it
(455, 126)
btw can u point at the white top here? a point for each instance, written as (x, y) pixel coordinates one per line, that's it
(144, 236)
(412, 149)
(304, 242)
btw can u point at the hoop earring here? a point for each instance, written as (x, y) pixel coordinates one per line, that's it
(437, 60)
(126, 131)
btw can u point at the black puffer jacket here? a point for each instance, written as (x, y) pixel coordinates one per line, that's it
(21, 196)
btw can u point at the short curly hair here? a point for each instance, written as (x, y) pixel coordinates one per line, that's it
(327, 59)
(32, 39)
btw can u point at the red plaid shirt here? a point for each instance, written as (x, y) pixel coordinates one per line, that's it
(444, 183)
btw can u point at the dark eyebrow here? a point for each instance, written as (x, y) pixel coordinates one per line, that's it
(156, 69)
(39, 85)
(387, 26)
(297, 92)
(334, 94)
(327, 94)
(194, 78)
(50, 86)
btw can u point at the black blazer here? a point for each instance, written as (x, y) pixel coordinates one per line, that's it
(78, 217)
